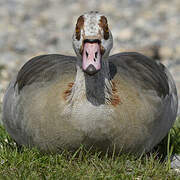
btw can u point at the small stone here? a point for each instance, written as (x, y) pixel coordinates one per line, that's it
(166, 52)
(20, 47)
(125, 34)
(140, 22)
(178, 51)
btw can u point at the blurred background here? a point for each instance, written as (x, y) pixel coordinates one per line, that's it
(30, 28)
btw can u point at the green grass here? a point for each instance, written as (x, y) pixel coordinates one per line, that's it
(32, 164)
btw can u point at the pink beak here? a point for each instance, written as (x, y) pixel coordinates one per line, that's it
(91, 58)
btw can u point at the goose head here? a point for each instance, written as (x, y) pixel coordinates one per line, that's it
(92, 41)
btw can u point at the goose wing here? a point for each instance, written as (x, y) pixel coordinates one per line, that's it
(147, 73)
(44, 68)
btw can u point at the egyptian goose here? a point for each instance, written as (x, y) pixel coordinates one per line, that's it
(126, 101)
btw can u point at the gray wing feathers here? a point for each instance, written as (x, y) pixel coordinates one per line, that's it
(44, 68)
(142, 70)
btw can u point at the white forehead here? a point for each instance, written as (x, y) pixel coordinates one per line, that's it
(91, 23)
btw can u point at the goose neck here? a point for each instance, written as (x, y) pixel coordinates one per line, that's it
(96, 88)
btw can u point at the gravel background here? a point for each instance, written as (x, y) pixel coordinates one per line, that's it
(30, 28)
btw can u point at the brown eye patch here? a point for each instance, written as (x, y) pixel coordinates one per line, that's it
(79, 26)
(104, 25)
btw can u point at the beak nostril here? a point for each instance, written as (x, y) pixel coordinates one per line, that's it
(87, 54)
(96, 54)
(94, 60)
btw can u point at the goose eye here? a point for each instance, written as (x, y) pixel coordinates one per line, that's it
(106, 29)
(78, 33)
(79, 26)
(104, 25)
(77, 30)
(106, 33)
